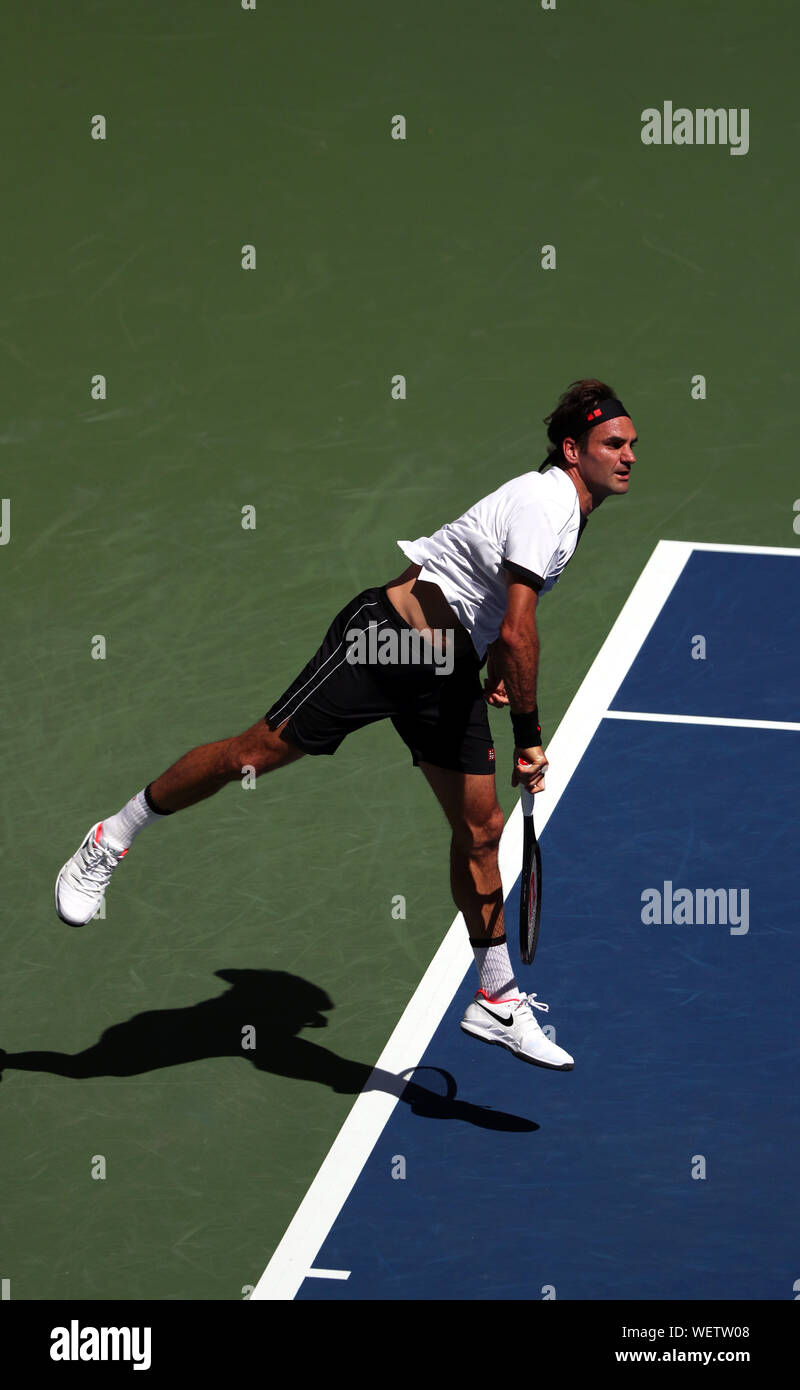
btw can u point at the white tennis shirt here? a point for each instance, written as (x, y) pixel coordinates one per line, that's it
(529, 526)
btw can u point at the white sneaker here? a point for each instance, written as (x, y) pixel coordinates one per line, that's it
(84, 878)
(510, 1023)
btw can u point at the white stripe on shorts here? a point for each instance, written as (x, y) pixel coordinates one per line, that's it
(317, 672)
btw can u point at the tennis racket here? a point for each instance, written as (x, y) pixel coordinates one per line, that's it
(530, 897)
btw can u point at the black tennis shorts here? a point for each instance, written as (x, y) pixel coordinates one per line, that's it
(441, 718)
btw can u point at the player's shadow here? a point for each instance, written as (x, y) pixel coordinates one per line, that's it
(257, 1019)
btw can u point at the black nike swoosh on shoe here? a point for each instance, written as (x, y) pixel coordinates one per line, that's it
(506, 1022)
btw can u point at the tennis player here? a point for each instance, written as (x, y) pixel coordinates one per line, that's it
(412, 651)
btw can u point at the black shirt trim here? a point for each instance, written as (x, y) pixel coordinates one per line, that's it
(527, 576)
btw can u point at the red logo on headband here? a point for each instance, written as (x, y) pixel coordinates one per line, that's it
(593, 413)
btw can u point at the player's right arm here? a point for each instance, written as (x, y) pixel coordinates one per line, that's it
(516, 652)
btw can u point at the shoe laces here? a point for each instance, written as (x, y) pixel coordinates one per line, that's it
(96, 866)
(534, 1003)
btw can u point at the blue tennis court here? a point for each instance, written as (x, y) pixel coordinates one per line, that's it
(664, 1166)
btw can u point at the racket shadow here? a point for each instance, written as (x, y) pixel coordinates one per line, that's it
(256, 1019)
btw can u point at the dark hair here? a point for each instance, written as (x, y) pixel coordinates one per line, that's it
(569, 416)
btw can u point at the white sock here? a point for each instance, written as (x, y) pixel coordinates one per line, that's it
(121, 830)
(494, 968)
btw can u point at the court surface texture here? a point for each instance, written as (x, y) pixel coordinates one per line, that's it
(249, 340)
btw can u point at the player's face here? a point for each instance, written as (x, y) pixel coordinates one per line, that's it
(605, 463)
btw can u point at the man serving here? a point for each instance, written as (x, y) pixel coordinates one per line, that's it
(470, 592)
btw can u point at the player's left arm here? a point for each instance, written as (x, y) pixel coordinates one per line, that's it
(517, 656)
(494, 687)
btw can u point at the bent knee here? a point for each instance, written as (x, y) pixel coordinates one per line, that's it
(259, 749)
(480, 838)
(238, 757)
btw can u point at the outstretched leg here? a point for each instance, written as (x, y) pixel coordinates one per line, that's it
(82, 881)
(204, 770)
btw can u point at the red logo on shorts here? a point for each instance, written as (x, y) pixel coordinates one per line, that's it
(491, 755)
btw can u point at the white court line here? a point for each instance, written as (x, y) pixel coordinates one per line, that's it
(700, 719)
(294, 1256)
(742, 549)
(327, 1274)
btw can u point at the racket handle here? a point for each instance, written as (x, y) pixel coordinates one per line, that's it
(527, 797)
